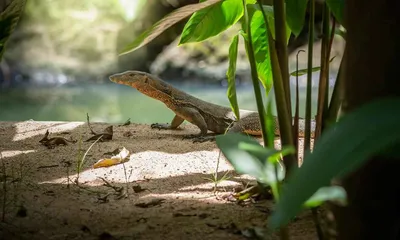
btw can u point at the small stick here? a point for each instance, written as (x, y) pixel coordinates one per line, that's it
(108, 184)
(90, 127)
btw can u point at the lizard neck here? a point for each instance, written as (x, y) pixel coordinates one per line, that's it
(162, 94)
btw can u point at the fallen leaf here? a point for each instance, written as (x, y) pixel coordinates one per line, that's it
(121, 157)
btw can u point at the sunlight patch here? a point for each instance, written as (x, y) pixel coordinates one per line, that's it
(8, 154)
(31, 128)
(156, 166)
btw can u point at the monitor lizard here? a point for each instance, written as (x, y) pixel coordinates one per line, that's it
(205, 115)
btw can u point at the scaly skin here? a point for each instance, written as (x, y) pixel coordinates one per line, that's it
(206, 116)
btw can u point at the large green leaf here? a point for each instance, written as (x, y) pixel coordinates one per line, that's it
(231, 75)
(344, 147)
(162, 25)
(211, 21)
(295, 14)
(337, 8)
(260, 47)
(8, 21)
(269, 13)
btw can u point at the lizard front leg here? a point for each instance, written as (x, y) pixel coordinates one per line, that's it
(176, 121)
(191, 115)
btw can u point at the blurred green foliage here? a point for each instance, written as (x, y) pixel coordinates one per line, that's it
(74, 36)
(9, 18)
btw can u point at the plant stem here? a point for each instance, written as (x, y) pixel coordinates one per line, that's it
(307, 132)
(337, 95)
(281, 48)
(284, 120)
(297, 107)
(328, 59)
(324, 73)
(254, 75)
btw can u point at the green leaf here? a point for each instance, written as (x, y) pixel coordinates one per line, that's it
(211, 21)
(269, 158)
(165, 23)
(391, 152)
(273, 173)
(242, 161)
(258, 151)
(231, 75)
(343, 148)
(8, 21)
(266, 154)
(336, 194)
(341, 31)
(337, 8)
(260, 47)
(302, 72)
(295, 15)
(286, 150)
(269, 13)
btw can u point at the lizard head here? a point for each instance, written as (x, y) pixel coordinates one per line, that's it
(130, 78)
(143, 82)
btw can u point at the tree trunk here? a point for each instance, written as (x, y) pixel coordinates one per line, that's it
(371, 72)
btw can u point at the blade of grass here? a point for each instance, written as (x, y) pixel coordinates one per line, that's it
(81, 161)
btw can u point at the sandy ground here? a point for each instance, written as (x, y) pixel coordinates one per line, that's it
(165, 191)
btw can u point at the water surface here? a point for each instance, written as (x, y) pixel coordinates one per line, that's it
(109, 103)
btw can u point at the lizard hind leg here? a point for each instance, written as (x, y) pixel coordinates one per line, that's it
(176, 121)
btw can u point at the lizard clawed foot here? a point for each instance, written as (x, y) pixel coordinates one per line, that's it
(160, 126)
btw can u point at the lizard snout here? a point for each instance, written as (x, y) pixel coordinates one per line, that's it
(115, 78)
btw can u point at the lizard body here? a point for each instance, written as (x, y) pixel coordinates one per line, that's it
(205, 115)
